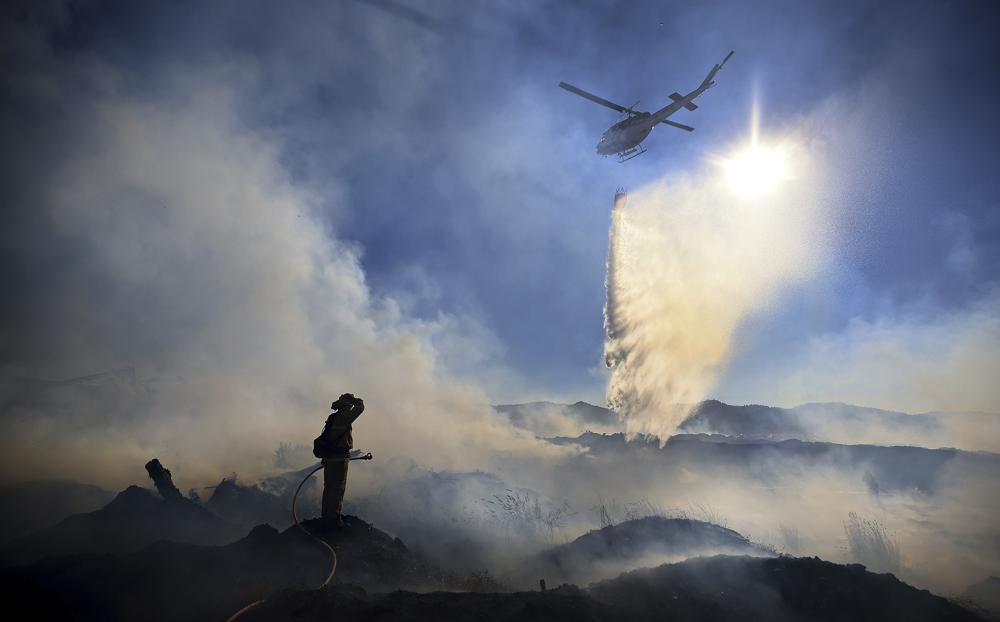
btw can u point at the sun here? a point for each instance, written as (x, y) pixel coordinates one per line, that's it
(758, 166)
(756, 169)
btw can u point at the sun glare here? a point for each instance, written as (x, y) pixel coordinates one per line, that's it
(756, 169)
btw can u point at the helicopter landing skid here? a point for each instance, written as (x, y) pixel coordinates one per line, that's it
(634, 152)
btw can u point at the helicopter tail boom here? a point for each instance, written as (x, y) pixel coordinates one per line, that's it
(679, 101)
(708, 83)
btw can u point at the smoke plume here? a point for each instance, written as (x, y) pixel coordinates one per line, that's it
(177, 250)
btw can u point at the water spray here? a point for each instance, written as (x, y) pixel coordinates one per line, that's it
(611, 268)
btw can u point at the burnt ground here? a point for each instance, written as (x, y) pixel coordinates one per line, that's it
(175, 581)
(778, 589)
(143, 557)
(348, 603)
(172, 581)
(721, 588)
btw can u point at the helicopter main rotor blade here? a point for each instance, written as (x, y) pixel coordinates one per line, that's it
(680, 126)
(594, 98)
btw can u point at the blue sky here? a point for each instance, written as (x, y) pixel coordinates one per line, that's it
(433, 138)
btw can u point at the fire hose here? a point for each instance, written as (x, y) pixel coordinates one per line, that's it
(295, 517)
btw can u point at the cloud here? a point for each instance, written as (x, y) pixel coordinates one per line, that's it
(944, 362)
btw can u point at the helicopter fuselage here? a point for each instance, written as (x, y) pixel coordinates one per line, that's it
(626, 134)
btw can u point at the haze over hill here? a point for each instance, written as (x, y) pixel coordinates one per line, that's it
(749, 486)
(751, 473)
(174, 581)
(833, 422)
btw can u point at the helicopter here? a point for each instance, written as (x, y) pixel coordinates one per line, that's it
(625, 137)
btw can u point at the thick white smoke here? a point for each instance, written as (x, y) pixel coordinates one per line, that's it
(190, 257)
(948, 362)
(690, 259)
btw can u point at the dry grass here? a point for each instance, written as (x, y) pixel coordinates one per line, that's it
(871, 544)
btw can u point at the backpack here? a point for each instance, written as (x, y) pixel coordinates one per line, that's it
(323, 446)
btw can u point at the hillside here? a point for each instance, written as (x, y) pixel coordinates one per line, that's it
(135, 518)
(33, 505)
(829, 422)
(783, 589)
(176, 581)
(716, 589)
(606, 552)
(886, 468)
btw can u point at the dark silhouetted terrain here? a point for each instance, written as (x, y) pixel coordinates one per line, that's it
(607, 552)
(472, 539)
(182, 581)
(779, 588)
(135, 518)
(737, 589)
(344, 603)
(174, 581)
